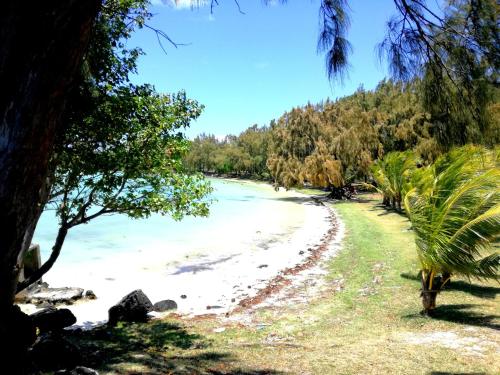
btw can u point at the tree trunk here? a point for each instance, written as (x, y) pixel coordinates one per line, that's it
(432, 283)
(386, 201)
(429, 300)
(42, 47)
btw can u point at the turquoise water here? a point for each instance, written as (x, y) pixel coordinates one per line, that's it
(236, 205)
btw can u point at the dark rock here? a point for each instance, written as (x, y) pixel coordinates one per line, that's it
(301, 252)
(262, 266)
(183, 296)
(52, 319)
(134, 307)
(53, 352)
(165, 305)
(17, 333)
(78, 370)
(90, 294)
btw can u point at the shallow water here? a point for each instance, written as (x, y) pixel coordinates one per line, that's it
(236, 205)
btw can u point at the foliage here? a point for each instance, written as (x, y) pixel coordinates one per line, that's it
(334, 144)
(455, 213)
(458, 90)
(122, 148)
(126, 158)
(243, 156)
(392, 175)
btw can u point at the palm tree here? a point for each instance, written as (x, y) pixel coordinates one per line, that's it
(455, 214)
(392, 174)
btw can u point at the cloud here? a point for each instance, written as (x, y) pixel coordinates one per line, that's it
(184, 4)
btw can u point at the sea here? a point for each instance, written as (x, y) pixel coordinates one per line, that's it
(236, 206)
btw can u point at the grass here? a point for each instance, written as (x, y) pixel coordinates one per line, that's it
(371, 326)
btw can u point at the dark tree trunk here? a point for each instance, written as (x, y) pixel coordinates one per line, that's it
(42, 44)
(432, 284)
(429, 301)
(386, 201)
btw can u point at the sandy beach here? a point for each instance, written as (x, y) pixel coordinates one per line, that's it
(233, 264)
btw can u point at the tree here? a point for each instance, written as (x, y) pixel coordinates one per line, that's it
(455, 215)
(457, 92)
(125, 159)
(41, 50)
(392, 175)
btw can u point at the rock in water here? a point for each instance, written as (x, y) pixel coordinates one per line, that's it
(165, 305)
(52, 319)
(134, 307)
(90, 294)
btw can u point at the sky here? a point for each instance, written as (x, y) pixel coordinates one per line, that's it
(250, 68)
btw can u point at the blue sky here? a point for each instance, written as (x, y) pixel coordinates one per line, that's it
(250, 68)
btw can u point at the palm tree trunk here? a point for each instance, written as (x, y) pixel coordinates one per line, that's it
(429, 301)
(431, 286)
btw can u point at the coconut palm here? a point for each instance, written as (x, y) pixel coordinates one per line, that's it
(455, 214)
(392, 174)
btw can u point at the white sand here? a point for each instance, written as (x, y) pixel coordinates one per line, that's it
(234, 264)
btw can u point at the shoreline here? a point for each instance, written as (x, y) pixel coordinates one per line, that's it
(213, 283)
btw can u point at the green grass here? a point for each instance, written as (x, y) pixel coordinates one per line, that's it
(362, 329)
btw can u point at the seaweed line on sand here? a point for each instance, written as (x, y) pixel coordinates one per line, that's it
(283, 279)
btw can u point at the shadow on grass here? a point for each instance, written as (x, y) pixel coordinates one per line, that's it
(455, 373)
(481, 291)
(155, 348)
(387, 210)
(462, 314)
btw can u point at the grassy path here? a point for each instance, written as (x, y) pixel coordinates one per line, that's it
(368, 322)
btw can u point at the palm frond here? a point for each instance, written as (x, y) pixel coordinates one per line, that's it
(456, 217)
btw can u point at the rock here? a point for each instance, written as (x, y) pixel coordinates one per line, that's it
(301, 252)
(78, 370)
(53, 295)
(31, 262)
(90, 294)
(183, 296)
(53, 352)
(45, 305)
(134, 307)
(17, 333)
(165, 305)
(262, 266)
(52, 319)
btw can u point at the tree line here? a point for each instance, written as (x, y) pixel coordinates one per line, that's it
(334, 144)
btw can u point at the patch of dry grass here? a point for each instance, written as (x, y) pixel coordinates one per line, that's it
(371, 326)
